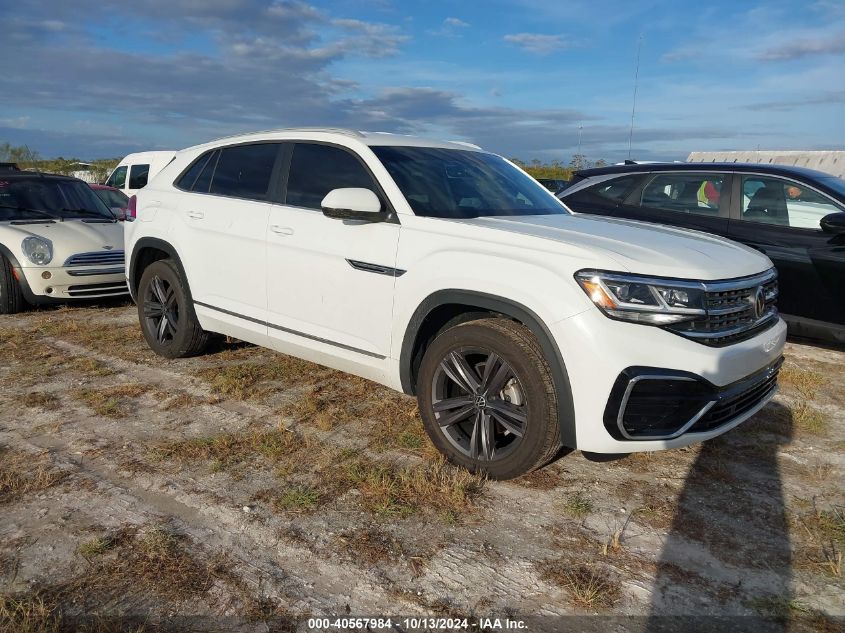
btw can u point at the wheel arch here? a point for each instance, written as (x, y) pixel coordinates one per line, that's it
(446, 308)
(146, 251)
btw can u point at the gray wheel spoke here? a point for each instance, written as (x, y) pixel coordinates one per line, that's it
(456, 416)
(510, 416)
(453, 403)
(474, 439)
(459, 371)
(496, 381)
(160, 292)
(162, 329)
(488, 441)
(153, 309)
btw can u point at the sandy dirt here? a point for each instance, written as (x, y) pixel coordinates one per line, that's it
(245, 490)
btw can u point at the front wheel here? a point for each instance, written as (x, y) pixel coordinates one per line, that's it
(488, 400)
(167, 317)
(11, 297)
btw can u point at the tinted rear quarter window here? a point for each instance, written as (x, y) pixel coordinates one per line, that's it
(138, 176)
(188, 179)
(317, 169)
(244, 171)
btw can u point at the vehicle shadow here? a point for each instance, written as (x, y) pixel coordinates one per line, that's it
(726, 563)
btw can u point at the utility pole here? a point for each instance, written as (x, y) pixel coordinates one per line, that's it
(634, 104)
(580, 129)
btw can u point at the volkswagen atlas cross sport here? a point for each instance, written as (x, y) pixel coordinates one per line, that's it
(58, 241)
(446, 272)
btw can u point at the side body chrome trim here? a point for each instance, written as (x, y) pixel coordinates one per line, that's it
(375, 268)
(290, 331)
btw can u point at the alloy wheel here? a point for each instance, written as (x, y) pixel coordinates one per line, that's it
(479, 403)
(161, 310)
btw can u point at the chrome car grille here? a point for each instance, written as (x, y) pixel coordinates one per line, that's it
(97, 258)
(733, 312)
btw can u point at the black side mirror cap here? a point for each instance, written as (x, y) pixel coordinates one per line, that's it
(833, 223)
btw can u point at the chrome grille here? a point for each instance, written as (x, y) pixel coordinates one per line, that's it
(96, 258)
(731, 312)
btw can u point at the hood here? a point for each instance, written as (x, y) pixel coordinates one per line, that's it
(69, 238)
(640, 247)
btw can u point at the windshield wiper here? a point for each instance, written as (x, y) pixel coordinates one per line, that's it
(91, 214)
(29, 210)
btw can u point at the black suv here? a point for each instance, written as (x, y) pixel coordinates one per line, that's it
(795, 216)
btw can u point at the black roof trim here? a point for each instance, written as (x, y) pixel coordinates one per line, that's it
(775, 170)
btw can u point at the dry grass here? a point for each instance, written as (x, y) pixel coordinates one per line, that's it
(123, 341)
(233, 448)
(250, 380)
(111, 402)
(578, 506)
(183, 400)
(805, 381)
(588, 587)
(22, 474)
(370, 546)
(809, 419)
(40, 400)
(823, 533)
(27, 614)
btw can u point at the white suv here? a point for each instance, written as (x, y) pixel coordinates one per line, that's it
(445, 271)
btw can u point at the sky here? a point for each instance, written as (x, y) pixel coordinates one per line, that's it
(528, 79)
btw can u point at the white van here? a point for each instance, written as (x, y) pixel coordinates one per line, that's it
(135, 170)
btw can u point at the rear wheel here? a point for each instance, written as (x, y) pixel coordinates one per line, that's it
(167, 316)
(487, 398)
(11, 297)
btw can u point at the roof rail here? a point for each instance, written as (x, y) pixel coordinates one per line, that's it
(333, 130)
(465, 144)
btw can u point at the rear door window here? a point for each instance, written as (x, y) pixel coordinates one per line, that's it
(699, 194)
(245, 171)
(317, 169)
(615, 190)
(118, 177)
(138, 176)
(784, 203)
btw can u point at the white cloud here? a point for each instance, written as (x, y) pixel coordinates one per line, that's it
(537, 43)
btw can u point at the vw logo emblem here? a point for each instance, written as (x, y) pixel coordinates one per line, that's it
(480, 402)
(759, 302)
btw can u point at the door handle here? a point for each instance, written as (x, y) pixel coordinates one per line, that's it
(199, 215)
(281, 230)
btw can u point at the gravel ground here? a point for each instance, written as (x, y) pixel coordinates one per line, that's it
(247, 491)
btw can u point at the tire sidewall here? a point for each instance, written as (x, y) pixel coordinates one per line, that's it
(533, 444)
(166, 270)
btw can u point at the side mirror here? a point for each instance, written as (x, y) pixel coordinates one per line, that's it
(353, 203)
(833, 223)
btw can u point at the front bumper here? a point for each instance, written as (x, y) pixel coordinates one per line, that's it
(602, 356)
(70, 283)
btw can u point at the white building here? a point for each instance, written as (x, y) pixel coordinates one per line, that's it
(832, 162)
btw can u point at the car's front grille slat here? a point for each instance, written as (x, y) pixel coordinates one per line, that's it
(97, 258)
(731, 313)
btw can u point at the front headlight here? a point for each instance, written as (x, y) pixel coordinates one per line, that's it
(643, 299)
(38, 250)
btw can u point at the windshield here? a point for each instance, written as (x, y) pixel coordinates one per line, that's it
(113, 199)
(837, 184)
(450, 183)
(39, 198)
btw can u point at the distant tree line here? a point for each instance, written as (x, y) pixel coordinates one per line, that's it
(101, 168)
(556, 168)
(29, 159)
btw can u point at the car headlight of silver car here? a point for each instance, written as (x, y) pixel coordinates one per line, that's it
(38, 250)
(643, 299)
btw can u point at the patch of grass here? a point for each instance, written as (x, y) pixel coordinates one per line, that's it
(542, 479)
(249, 380)
(123, 341)
(805, 381)
(370, 546)
(111, 402)
(299, 499)
(184, 400)
(777, 606)
(588, 587)
(97, 546)
(89, 366)
(40, 400)
(578, 506)
(22, 474)
(27, 614)
(831, 524)
(228, 449)
(809, 419)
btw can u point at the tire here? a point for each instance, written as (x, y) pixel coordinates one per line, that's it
(11, 297)
(172, 331)
(459, 398)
